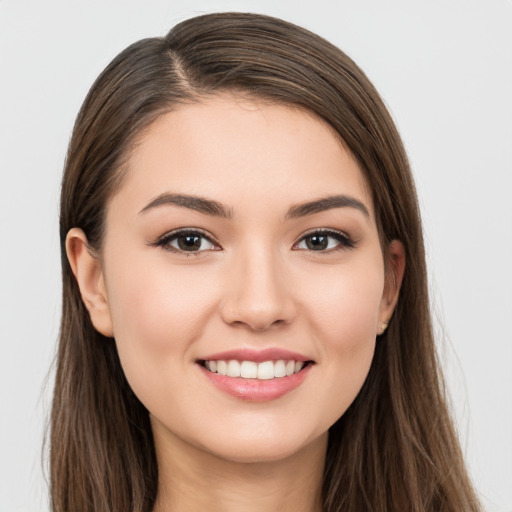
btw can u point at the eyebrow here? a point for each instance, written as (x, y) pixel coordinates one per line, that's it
(326, 203)
(216, 209)
(200, 204)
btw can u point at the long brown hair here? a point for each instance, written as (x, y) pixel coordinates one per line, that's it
(395, 447)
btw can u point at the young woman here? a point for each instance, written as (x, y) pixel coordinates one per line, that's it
(245, 312)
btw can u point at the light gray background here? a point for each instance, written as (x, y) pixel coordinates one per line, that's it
(445, 69)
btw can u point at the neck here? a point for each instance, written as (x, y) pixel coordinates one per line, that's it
(193, 480)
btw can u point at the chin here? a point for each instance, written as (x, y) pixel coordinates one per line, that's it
(263, 449)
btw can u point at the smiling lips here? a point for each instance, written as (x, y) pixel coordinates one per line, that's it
(256, 376)
(251, 370)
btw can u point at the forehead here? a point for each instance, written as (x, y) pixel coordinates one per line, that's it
(238, 151)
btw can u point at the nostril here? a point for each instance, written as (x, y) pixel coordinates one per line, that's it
(258, 325)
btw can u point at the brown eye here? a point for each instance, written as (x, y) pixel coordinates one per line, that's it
(189, 242)
(186, 241)
(324, 241)
(317, 242)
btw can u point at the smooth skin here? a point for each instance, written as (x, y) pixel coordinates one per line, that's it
(255, 271)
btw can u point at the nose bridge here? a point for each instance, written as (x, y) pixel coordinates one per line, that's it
(259, 295)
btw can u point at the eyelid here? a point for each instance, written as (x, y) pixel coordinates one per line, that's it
(344, 238)
(163, 240)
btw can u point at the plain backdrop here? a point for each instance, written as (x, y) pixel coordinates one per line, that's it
(444, 67)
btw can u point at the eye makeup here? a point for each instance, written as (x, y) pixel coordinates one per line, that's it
(324, 240)
(194, 241)
(188, 241)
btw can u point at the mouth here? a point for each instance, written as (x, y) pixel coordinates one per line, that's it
(245, 369)
(256, 376)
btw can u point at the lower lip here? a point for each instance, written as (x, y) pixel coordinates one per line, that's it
(256, 390)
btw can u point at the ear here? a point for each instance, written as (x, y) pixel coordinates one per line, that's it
(395, 268)
(88, 272)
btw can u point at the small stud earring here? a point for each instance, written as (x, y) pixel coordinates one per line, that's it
(383, 328)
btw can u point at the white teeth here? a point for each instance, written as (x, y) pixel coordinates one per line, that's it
(249, 370)
(280, 369)
(266, 370)
(222, 367)
(252, 370)
(233, 369)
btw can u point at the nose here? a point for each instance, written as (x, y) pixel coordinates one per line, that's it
(258, 295)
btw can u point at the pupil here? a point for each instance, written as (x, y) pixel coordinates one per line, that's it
(317, 242)
(189, 242)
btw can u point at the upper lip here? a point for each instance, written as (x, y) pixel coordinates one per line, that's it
(258, 356)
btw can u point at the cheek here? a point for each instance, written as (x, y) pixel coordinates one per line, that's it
(345, 306)
(157, 313)
(154, 303)
(344, 319)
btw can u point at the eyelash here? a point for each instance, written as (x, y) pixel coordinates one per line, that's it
(165, 241)
(344, 241)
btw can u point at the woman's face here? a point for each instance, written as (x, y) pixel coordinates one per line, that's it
(243, 239)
